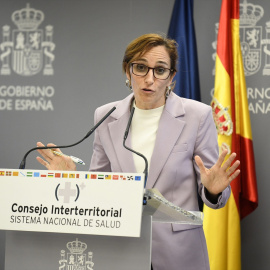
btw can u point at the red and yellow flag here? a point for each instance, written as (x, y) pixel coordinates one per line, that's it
(231, 115)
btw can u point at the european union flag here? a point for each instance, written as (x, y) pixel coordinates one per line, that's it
(181, 29)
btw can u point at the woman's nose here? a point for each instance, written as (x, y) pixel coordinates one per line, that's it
(149, 77)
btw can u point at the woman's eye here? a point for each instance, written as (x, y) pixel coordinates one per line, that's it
(141, 67)
(159, 70)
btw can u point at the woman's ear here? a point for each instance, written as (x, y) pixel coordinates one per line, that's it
(128, 74)
(171, 78)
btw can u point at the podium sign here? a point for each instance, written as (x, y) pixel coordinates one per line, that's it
(71, 202)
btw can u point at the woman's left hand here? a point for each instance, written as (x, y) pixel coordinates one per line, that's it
(216, 179)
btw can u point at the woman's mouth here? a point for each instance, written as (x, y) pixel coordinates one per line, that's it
(147, 90)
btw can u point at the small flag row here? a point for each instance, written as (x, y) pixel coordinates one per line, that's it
(94, 176)
(112, 177)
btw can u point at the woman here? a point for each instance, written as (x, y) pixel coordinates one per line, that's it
(177, 136)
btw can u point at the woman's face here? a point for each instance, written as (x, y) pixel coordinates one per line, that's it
(149, 92)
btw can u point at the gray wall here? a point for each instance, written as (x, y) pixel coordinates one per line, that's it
(90, 37)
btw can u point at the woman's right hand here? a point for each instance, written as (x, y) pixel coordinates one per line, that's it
(54, 162)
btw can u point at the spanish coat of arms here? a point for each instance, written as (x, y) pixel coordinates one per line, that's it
(76, 259)
(27, 52)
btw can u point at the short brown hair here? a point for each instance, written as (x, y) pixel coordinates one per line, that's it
(145, 43)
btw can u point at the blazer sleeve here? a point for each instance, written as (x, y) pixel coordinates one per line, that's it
(99, 160)
(207, 148)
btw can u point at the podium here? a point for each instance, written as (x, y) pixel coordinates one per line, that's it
(81, 220)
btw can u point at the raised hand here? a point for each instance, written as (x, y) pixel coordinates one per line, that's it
(55, 162)
(220, 175)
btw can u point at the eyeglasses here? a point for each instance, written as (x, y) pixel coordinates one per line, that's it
(160, 73)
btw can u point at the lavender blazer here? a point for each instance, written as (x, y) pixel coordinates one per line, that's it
(186, 129)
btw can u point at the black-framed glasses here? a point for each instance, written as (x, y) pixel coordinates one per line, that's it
(159, 72)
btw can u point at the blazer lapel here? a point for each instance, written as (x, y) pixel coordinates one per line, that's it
(168, 133)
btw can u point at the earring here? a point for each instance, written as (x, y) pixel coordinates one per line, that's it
(168, 91)
(128, 84)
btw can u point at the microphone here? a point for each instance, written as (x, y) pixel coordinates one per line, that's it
(137, 153)
(23, 162)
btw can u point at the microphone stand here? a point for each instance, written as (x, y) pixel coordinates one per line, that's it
(23, 162)
(137, 153)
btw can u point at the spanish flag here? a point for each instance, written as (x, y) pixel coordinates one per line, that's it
(231, 115)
